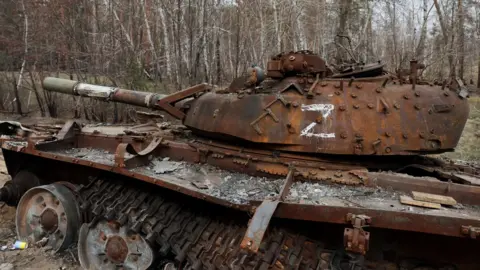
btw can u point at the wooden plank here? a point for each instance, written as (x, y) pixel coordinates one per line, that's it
(410, 201)
(433, 198)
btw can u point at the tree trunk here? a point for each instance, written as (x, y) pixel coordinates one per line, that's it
(452, 44)
(18, 84)
(420, 50)
(37, 94)
(150, 39)
(178, 44)
(16, 95)
(276, 23)
(445, 35)
(237, 43)
(341, 30)
(369, 36)
(166, 41)
(461, 39)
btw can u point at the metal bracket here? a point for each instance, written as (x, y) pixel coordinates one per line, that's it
(69, 130)
(64, 138)
(357, 240)
(295, 86)
(167, 102)
(139, 158)
(258, 225)
(463, 91)
(471, 231)
(312, 88)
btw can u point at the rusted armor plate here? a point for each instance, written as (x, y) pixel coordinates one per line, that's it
(361, 119)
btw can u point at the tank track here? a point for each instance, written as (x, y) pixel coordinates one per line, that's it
(197, 235)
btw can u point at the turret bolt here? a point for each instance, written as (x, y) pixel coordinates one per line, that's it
(356, 106)
(417, 107)
(417, 94)
(342, 108)
(343, 135)
(353, 95)
(370, 105)
(405, 97)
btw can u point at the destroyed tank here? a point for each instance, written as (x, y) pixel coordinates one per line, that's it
(283, 169)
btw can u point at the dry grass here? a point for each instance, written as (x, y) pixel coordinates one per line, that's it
(468, 148)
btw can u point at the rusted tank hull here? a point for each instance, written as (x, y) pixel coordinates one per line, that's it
(101, 152)
(341, 118)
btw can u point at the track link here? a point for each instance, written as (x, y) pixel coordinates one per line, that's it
(193, 236)
(196, 235)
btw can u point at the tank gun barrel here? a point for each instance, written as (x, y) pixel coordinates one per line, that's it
(105, 93)
(138, 98)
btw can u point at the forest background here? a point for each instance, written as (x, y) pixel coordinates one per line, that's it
(166, 45)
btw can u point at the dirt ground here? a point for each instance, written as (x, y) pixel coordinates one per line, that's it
(32, 257)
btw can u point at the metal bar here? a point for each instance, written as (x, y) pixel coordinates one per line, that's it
(258, 225)
(405, 221)
(466, 194)
(165, 103)
(287, 185)
(139, 157)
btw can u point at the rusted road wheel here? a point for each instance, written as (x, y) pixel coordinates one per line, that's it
(108, 245)
(51, 212)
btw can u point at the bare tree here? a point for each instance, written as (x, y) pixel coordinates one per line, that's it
(163, 45)
(22, 68)
(461, 39)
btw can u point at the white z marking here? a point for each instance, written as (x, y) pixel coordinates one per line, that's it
(325, 110)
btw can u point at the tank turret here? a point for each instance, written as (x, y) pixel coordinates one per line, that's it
(305, 106)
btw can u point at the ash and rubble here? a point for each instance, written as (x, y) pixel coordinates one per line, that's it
(90, 154)
(234, 187)
(241, 188)
(315, 193)
(17, 143)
